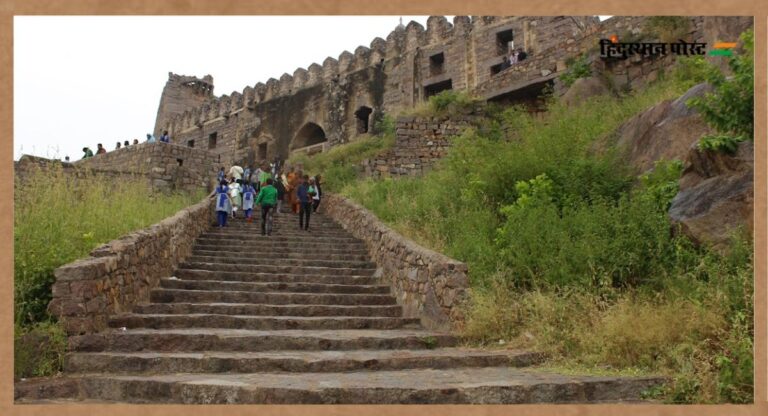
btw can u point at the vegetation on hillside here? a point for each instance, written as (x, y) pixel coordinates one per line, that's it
(341, 164)
(57, 219)
(571, 254)
(729, 108)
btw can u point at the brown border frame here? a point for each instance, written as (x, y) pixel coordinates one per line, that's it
(9, 8)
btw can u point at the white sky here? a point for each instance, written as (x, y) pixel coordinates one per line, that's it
(82, 80)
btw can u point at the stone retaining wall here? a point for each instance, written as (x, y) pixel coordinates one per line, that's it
(421, 141)
(427, 284)
(168, 166)
(120, 274)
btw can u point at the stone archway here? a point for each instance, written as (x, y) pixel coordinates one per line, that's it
(310, 134)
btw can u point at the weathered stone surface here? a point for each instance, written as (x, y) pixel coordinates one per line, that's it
(163, 166)
(584, 88)
(665, 131)
(495, 385)
(108, 283)
(716, 195)
(403, 261)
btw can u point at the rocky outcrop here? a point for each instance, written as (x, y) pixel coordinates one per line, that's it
(584, 88)
(665, 131)
(716, 195)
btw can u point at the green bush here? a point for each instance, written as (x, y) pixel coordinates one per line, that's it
(451, 101)
(729, 108)
(572, 255)
(580, 68)
(38, 350)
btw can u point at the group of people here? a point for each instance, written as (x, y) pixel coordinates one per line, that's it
(513, 57)
(242, 189)
(87, 152)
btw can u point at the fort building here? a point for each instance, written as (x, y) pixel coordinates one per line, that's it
(333, 102)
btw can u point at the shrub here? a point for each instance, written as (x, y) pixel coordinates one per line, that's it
(38, 350)
(669, 28)
(730, 107)
(579, 68)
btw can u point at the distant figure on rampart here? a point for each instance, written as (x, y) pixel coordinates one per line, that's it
(101, 149)
(118, 146)
(151, 138)
(135, 141)
(165, 138)
(87, 153)
(126, 144)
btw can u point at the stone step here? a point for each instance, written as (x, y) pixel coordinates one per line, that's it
(342, 255)
(193, 274)
(286, 269)
(292, 361)
(260, 323)
(255, 233)
(484, 385)
(259, 309)
(290, 229)
(277, 238)
(259, 261)
(283, 248)
(276, 286)
(210, 296)
(220, 339)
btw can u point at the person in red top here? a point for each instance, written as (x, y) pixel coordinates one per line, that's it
(101, 149)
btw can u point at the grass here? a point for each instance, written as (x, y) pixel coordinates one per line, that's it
(341, 164)
(571, 254)
(58, 219)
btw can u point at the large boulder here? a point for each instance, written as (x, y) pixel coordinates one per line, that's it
(584, 88)
(716, 196)
(665, 131)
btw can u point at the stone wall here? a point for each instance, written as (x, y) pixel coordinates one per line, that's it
(27, 167)
(342, 97)
(427, 284)
(420, 142)
(167, 166)
(120, 274)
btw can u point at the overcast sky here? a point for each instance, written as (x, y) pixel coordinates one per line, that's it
(83, 80)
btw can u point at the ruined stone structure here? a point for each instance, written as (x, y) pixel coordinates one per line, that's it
(419, 143)
(165, 167)
(329, 104)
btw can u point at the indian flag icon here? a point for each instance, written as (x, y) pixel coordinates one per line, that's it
(722, 49)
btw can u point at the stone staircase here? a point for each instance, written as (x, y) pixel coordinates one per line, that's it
(293, 318)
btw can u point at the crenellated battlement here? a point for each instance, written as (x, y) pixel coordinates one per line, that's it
(341, 97)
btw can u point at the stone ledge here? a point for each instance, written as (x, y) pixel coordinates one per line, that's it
(428, 284)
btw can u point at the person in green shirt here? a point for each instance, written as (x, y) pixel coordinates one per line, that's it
(268, 199)
(87, 153)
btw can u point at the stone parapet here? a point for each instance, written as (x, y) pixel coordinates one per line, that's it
(121, 273)
(427, 284)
